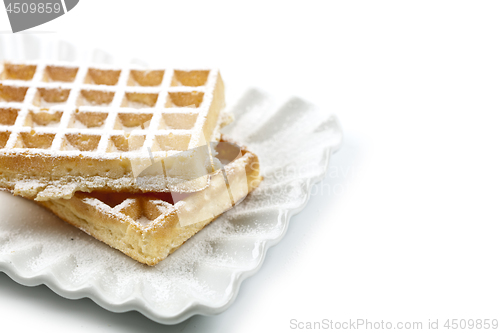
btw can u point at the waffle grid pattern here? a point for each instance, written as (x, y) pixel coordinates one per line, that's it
(142, 209)
(100, 112)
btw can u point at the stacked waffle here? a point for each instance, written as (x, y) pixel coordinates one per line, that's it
(133, 157)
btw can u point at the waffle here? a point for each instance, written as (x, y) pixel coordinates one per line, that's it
(148, 227)
(67, 128)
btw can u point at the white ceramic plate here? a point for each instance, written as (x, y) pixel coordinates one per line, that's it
(293, 141)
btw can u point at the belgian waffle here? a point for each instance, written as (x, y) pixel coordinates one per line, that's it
(67, 128)
(148, 227)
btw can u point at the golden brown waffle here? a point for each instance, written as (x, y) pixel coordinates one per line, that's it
(148, 227)
(67, 128)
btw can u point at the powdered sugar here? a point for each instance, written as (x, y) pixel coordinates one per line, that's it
(110, 118)
(200, 276)
(74, 101)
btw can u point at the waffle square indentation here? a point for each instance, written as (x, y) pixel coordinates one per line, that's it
(146, 78)
(8, 116)
(81, 142)
(149, 208)
(133, 121)
(102, 76)
(4, 137)
(141, 209)
(60, 74)
(95, 97)
(189, 78)
(88, 119)
(139, 100)
(12, 94)
(183, 121)
(18, 72)
(184, 99)
(49, 97)
(123, 143)
(43, 118)
(34, 139)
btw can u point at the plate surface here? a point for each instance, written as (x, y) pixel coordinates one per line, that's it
(293, 141)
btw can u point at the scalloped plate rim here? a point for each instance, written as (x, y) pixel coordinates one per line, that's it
(192, 309)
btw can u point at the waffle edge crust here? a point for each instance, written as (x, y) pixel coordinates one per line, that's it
(66, 127)
(120, 226)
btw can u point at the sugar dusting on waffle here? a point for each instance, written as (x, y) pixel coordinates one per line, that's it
(97, 107)
(101, 113)
(150, 226)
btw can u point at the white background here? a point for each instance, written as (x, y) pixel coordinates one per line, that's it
(405, 227)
